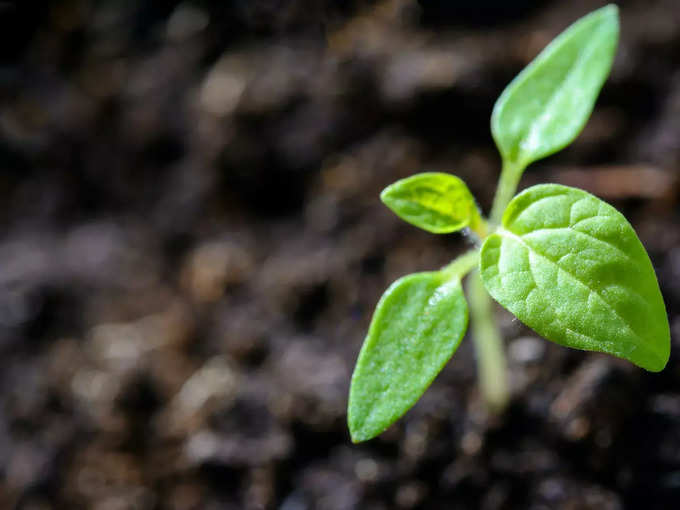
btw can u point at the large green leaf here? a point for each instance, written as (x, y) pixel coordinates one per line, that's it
(417, 326)
(570, 266)
(437, 202)
(548, 103)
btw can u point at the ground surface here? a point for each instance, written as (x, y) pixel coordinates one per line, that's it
(192, 244)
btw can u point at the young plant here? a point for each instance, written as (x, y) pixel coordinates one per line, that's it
(564, 262)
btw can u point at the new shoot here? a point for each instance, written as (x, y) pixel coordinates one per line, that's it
(562, 261)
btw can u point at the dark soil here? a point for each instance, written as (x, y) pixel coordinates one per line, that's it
(191, 247)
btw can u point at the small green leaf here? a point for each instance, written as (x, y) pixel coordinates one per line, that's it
(570, 266)
(548, 103)
(417, 326)
(437, 202)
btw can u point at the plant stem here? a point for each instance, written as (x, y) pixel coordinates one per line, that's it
(491, 364)
(507, 186)
(462, 265)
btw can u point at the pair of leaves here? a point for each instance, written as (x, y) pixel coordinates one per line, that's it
(565, 263)
(421, 318)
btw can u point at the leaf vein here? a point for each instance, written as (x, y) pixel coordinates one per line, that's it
(590, 236)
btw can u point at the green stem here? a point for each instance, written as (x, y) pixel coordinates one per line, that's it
(462, 265)
(491, 364)
(507, 186)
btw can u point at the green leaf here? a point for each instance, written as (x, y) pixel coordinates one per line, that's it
(417, 326)
(570, 266)
(548, 103)
(437, 202)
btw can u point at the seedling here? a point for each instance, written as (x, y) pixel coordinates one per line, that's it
(562, 261)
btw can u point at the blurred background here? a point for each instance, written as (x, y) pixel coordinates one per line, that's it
(192, 244)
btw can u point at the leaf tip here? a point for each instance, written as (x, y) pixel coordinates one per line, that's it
(356, 417)
(608, 11)
(657, 364)
(385, 195)
(611, 10)
(609, 14)
(357, 433)
(357, 438)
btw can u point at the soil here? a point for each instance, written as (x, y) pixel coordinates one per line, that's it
(192, 244)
